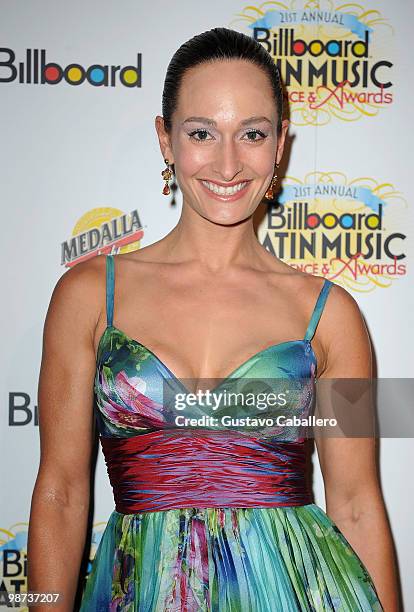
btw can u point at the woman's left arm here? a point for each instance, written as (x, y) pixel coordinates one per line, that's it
(354, 501)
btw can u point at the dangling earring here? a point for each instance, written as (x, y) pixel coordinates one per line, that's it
(166, 175)
(270, 193)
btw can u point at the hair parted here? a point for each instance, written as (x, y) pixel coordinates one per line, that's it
(217, 44)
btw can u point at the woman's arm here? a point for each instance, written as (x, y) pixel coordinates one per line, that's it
(60, 500)
(353, 497)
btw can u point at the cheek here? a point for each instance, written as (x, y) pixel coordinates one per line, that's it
(190, 160)
(260, 159)
(186, 167)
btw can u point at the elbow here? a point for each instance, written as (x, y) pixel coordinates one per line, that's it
(62, 495)
(356, 505)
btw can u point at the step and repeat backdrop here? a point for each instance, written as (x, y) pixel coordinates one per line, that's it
(80, 86)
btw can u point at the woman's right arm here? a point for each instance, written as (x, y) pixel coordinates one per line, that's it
(60, 500)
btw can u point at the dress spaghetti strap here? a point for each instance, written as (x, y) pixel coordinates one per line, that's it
(110, 286)
(317, 311)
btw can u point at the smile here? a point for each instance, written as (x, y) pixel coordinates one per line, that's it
(225, 192)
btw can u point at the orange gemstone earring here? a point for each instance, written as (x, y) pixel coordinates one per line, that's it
(166, 175)
(270, 193)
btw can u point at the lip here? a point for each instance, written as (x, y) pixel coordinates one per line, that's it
(223, 198)
(225, 184)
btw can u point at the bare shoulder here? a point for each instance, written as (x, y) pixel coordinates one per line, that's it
(341, 341)
(341, 309)
(343, 333)
(81, 274)
(78, 295)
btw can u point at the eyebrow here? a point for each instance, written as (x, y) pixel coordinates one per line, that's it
(207, 121)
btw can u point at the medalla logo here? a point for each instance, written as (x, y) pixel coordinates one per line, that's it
(36, 70)
(102, 230)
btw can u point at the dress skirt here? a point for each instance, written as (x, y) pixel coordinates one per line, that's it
(280, 559)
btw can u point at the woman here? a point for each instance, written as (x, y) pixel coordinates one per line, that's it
(197, 524)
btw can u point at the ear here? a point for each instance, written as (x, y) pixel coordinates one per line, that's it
(281, 140)
(164, 139)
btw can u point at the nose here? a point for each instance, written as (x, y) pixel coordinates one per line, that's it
(227, 163)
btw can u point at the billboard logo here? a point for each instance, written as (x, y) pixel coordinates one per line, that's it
(350, 230)
(335, 63)
(37, 70)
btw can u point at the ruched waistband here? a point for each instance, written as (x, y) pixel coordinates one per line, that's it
(163, 470)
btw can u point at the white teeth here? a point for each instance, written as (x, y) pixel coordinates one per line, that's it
(226, 191)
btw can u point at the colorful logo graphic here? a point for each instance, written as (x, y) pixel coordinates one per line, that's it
(13, 551)
(36, 70)
(102, 231)
(13, 555)
(344, 230)
(334, 63)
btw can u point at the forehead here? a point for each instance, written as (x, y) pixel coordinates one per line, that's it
(226, 90)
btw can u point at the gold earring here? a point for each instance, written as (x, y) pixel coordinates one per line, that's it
(166, 175)
(270, 193)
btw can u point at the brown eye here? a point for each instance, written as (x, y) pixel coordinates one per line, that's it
(202, 133)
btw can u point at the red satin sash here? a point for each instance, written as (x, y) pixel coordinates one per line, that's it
(163, 470)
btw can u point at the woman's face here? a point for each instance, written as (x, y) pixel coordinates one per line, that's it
(223, 139)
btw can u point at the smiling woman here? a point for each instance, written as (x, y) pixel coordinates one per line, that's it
(207, 519)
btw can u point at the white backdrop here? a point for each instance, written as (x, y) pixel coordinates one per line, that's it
(74, 157)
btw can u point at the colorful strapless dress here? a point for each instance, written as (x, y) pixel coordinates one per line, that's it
(211, 519)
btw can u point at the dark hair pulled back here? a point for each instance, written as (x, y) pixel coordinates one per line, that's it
(217, 44)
